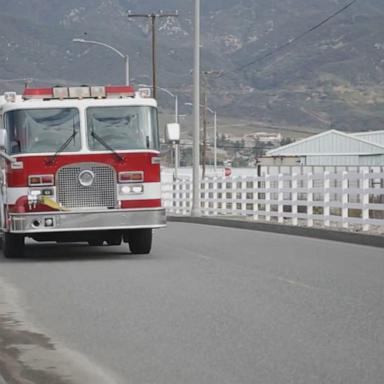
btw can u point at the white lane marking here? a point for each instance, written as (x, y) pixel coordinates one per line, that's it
(259, 271)
(293, 282)
(290, 282)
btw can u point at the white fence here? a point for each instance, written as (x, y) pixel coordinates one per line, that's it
(346, 200)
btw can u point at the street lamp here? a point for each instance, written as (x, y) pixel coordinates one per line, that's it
(214, 138)
(177, 148)
(125, 57)
(214, 134)
(26, 80)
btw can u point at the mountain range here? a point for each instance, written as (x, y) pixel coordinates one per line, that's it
(331, 78)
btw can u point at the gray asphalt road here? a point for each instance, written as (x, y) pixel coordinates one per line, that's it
(213, 305)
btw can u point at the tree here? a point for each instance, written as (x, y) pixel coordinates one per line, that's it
(286, 141)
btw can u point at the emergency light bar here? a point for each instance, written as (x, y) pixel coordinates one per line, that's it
(38, 93)
(98, 92)
(79, 92)
(120, 91)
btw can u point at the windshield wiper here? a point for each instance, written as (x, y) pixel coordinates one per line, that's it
(52, 159)
(106, 145)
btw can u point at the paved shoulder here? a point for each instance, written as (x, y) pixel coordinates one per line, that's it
(27, 354)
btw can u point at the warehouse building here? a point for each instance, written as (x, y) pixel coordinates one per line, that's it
(330, 149)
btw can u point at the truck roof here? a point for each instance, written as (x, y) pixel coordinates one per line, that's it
(75, 97)
(75, 103)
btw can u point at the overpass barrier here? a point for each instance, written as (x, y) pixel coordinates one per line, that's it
(347, 200)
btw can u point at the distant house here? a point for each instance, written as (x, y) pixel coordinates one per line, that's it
(265, 137)
(331, 149)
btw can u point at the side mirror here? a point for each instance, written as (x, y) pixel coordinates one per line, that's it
(172, 132)
(3, 139)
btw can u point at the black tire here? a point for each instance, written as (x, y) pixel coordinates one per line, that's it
(13, 245)
(140, 241)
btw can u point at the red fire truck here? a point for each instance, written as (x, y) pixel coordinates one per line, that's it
(80, 164)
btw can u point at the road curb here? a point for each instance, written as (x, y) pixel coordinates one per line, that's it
(317, 233)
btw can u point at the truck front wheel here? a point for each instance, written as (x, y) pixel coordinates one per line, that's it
(13, 245)
(140, 241)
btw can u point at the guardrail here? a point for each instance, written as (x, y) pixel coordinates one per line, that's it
(345, 200)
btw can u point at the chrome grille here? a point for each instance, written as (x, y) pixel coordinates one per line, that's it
(102, 193)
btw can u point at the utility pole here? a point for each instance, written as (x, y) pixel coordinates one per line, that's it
(152, 17)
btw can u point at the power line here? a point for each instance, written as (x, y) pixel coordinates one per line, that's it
(290, 41)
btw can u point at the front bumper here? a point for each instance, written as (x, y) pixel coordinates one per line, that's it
(87, 220)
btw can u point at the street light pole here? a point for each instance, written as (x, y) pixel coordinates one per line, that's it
(214, 137)
(154, 62)
(196, 112)
(176, 109)
(127, 70)
(177, 145)
(215, 142)
(125, 57)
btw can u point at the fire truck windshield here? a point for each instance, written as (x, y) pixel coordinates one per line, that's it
(42, 130)
(126, 127)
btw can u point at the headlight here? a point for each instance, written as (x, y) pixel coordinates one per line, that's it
(131, 189)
